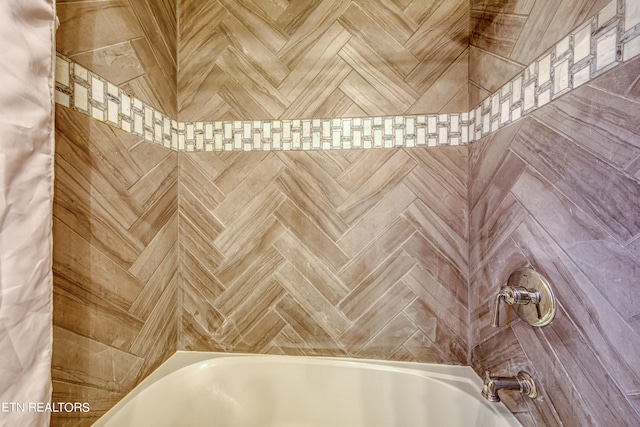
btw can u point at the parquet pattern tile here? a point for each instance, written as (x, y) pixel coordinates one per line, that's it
(319, 253)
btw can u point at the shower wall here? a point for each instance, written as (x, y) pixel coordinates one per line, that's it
(114, 262)
(343, 253)
(131, 43)
(253, 60)
(561, 190)
(507, 36)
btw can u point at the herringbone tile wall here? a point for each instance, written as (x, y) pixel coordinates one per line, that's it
(131, 43)
(350, 253)
(247, 59)
(561, 190)
(507, 36)
(115, 293)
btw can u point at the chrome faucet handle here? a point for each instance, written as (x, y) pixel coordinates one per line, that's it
(525, 287)
(514, 295)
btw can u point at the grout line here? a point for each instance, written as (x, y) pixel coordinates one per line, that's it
(589, 50)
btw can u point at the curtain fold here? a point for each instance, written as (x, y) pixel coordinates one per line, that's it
(27, 30)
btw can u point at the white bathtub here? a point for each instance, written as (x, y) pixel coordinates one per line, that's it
(221, 390)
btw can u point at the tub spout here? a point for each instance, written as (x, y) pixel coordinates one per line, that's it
(521, 382)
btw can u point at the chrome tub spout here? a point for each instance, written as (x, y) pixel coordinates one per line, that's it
(521, 382)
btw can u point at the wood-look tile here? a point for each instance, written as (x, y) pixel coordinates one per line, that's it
(609, 198)
(262, 333)
(303, 192)
(378, 183)
(623, 80)
(389, 339)
(196, 306)
(443, 237)
(254, 226)
(450, 207)
(79, 359)
(196, 272)
(601, 258)
(264, 29)
(160, 246)
(375, 285)
(497, 189)
(319, 243)
(488, 71)
(526, 49)
(161, 318)
(391, 18)
(570, 14)
(112, 326)
(496, 32)
(376, 220)
(596, 386)
(421, 348)
(441, 299)
(449, 93)
(309, 297)
(104, 23)
(254, 50)
(100, 401)
(337, 104)
(158, 214)
(310, 29)
(311, 267)
(450, 346)
(453, 45)
(155, 91)
(158, 22)
(309, 67)
(519, 7)
(244, 283)
(360, 25)
(433, 261)
(553, 378)
(307, 329)
(195, 100)
(483, 167)
(607, 333)
(116, 63)
(166, 271)
(240, 65)
(90, 271)
(495, 230)
(319, 169)
(447, 165)
(227, 169)
(328, 80)
(598, 121)
(248, 316)
(360, 266)
(437, 22)
(254, 183)
(380, 76)
(377, 316)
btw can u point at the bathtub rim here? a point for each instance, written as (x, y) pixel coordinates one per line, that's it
(467, 380)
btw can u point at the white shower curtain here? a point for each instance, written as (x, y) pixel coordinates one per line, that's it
(26, 192)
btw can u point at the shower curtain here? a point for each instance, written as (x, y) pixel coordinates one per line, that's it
(27, 30)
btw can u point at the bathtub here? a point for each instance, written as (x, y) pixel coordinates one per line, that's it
(222, 390)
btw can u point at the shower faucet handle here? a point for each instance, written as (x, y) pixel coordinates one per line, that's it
(525, 288)
(515, 295)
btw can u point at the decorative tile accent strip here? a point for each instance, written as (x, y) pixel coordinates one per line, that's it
(604, 42)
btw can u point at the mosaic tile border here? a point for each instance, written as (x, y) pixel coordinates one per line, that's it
(604, 42)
